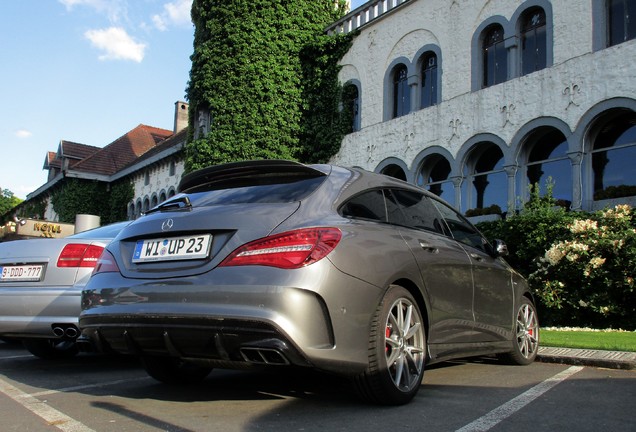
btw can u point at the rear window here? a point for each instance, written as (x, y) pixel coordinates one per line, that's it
(261, 189)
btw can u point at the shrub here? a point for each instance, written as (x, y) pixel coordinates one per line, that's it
(587, 277)
(579, 265)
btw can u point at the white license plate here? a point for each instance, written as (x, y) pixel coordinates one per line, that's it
(172, 248)
(21, 273)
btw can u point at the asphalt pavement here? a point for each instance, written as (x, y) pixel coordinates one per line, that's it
(587, 357)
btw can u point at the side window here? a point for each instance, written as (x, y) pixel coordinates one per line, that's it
(417, 211)
(461, 229)
(369, 205)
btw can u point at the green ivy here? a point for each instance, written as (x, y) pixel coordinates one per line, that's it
(251, 73)
(77, 196)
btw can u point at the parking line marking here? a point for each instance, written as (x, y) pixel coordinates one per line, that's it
(85, 387)
(49, 414)
(504, 411)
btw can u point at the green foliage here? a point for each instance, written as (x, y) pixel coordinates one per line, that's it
(248, 75)
(615, 192)
(33, 209)
(326, 119)
(580, 265)
(587, 276)
(7, 201)
(121, 193)
(492, 210)
(77, 196)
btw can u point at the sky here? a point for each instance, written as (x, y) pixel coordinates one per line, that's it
(86, 71)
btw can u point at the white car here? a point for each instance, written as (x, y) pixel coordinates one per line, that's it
(41, 284)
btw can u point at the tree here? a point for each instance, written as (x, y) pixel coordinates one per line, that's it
(7, 201)
(248, 80)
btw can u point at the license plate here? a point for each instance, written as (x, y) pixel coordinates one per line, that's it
(21, 273)
(172, 248)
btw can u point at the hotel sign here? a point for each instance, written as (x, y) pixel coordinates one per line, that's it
(38, 228)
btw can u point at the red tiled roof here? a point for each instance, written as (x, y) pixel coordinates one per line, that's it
(73, 150)
(123, 150)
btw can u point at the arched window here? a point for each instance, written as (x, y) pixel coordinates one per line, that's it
(495, 57)
(394, 171)
(548, 159)
(146, 205)
(429, 81)
(153, 201)
(486, 181)
(401, 94)
(533, 41)
(622, 21)
(162, 196)
(613, 156)
(351, 105)
(434, 177)
(172, 168)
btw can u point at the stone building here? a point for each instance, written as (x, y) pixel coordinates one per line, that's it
(150, 157)
(477, 100)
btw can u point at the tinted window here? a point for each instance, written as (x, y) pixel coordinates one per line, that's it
(460, 228)
(368, 205)
(256, 190)
(416, 211)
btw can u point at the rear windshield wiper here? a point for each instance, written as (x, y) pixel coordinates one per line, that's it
(180, 203)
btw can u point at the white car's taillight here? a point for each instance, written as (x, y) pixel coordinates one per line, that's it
(79, 255)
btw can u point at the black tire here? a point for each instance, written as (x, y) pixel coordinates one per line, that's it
(397, 351)
(51, 349)
(525, 340)
(172, 370)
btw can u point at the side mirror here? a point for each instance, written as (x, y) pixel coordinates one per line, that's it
(500, 247)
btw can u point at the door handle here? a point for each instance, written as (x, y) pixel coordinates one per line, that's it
(476, 257)
(428, 247)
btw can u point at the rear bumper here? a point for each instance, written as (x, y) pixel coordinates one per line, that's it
(320, 319)
(33, 312)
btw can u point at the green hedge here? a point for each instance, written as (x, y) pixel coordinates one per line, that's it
(581, 266)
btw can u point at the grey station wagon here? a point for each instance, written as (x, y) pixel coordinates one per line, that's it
(276, 263)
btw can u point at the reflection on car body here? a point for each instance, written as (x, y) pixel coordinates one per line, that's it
(318, 266)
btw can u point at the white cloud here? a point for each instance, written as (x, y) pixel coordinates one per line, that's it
(176, 12)
(114, 9)
(23, 133)
(116, 44)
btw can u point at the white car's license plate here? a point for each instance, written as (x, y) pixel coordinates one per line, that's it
(172, 248)
(21, 273)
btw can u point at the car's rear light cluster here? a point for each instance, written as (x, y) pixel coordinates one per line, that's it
(79, 255)
(288, 250)
(106, 263)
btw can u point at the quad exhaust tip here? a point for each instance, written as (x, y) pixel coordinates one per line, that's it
(265, 356)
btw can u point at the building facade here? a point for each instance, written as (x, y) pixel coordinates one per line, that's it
(478, 100)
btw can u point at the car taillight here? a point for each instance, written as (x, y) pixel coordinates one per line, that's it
(288, 250)
(106, 263)
(79, 255)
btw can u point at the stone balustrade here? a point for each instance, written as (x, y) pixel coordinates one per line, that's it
(366, 13)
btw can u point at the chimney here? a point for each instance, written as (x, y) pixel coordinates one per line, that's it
(180, 116)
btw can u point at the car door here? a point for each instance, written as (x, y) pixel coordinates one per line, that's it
(493, 303)
(444, 265)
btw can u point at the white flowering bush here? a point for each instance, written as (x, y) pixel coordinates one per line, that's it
(587, 276)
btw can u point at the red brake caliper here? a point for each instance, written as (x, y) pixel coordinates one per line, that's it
(387, 333)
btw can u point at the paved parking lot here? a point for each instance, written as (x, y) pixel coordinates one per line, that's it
(114, 394)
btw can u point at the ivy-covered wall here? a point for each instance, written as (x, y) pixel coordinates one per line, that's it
(264, 81)
(77, 196)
